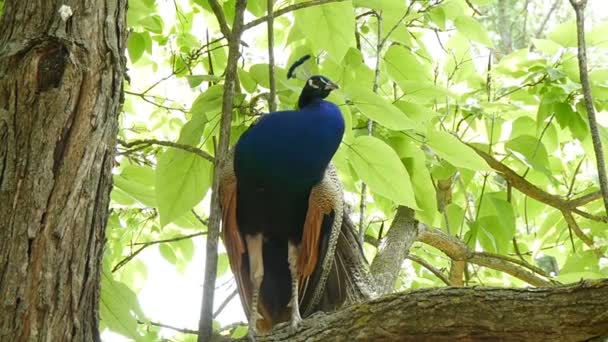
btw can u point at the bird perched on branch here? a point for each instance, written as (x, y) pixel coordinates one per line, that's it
(282, 207)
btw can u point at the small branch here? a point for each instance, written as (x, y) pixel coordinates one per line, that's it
(225, 303)
(543, 24)
(429, 267)
(579, 8)
(221, 18)
(475, 10)
(520, 262)
(167, 326)
(205, 329)
(521, 183)
(458, 251)
(581, 235)
(184, 147)
(145, 245)
(370, 123)
(145, 97)
(580, 201)
(273, 89)
(457, 272)
(174, 239)
(288, 9)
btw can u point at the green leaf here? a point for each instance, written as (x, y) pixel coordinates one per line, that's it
(565, 34)
(574, 277)
(153, 23)
(378, 165)
(119, 307)
(328, 27)
(566, 117)
(473, 30)
(137, 182)
(377, 108)
(239, 332)
(182, 180)
(401, 64)
(196, 80)
(497, 218)
(380, 4)
(454, 151)
(547, 46)
(167, 252)
(136, 46)
(208, 103)
(223, 264)
(530, 151)
(414, 160)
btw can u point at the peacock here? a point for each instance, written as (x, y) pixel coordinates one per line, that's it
(291, 246)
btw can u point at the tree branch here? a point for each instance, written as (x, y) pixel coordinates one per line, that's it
(581, 235)
(579, 8)
(221, 18)
(458, 251)
(565, 313)
(206, 317)
(273, 88)
(288, 9)
(184, 147)
(393, 250)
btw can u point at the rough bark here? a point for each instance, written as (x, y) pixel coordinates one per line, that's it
(393, 249)
(565, 313)
(60, 93)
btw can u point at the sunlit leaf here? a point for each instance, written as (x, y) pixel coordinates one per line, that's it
(378, 165)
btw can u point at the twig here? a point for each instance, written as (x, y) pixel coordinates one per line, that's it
(429, 267)
(225, 303)
(287, 9)
(163, 325)
(580, 201)
(205, 328)
(579, 8)
(273, 89)
(475, 10)
(145, 245)
(370, 126)
(457, 250)
(581, 235)
(543, 24)
(184, 147)
(221, 18)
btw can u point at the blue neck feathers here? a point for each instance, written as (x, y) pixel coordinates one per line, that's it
(290, 148)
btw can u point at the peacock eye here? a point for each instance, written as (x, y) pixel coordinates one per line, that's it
(313, 84)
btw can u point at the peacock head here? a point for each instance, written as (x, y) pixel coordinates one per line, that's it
(317, 87)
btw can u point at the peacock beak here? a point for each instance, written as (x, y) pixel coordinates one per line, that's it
(331, 86)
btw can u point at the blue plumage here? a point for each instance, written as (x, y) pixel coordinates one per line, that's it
(277, 162)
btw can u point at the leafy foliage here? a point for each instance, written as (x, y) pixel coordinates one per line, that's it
(438, 105)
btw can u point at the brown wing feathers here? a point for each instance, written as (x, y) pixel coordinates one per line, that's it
(317, 267)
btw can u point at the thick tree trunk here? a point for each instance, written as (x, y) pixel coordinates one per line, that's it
(565, 313)
(61, 74)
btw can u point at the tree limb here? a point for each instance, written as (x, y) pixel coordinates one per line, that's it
(184, 147)
(221, 18)
(393, 250)
(287, 9)
(579, 8)
(565, 313)
(213, 230)
(272, 104)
